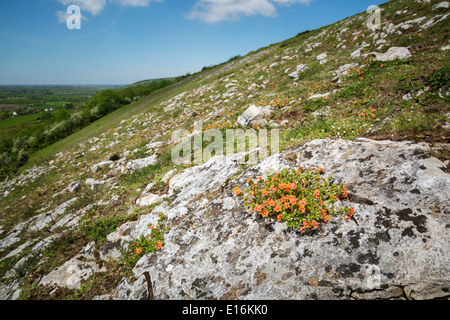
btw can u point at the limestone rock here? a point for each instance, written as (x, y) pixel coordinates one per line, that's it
(92, 183)
(148, 200)
(251, 116)
(300, 68)
(74, 186)
(356, 53)
(443, 4)
(398, 239)
(345, 68)
(137, 164)
(101, 165)
(392, 54)
(71, 273)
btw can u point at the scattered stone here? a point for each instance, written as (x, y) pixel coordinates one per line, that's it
(253, 86)
(251, 116)
(92, 183)
(343, 70)
(322, 56)
(101, 165)
(441, 5)
(74, 187)
(319, 95)
(392, 54)
(138, 164)
(300, 68)
(356, 54)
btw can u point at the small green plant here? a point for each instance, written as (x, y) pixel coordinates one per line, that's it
(137, 248)
(301, 198)
(439, 78)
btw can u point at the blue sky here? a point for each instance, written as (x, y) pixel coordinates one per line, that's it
(124, 41)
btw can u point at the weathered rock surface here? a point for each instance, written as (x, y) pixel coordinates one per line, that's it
(300, 68)
(252, 115)
(148, 200)
(395, 248)
(392, 54)
(140, 163)
(74, 271)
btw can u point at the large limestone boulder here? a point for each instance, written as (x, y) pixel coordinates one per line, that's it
(73, 272)
(396, 247)
(251, 116)
(392, 54)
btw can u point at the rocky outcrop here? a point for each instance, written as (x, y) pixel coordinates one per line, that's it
(252, 116)
(392, 54)
(74, 271)
(396, 247)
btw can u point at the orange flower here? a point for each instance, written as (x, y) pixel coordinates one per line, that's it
(345, 195)
(352, 210)
(265, 192)
(237, 191)
(277, 208)
(306, 224)
(363, 114)
(158, 245)
(316, 194)
(315, 224)
(264, 213)
(279, 217)
(346, 218)
(372, 115)
(287, 205)
(302, 205)
(138, 250)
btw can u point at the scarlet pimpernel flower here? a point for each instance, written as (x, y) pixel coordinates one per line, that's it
(300, 198)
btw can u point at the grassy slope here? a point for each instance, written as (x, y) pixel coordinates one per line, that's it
(373, 88)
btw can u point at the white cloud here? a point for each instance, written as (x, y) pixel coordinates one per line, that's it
(219, 10)
(92, 6)
(136, 3)
(289, 2)
(96, 6)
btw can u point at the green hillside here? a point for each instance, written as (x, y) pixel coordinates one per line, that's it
(326, 83)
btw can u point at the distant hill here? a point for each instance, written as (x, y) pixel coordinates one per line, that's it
(145, 83)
